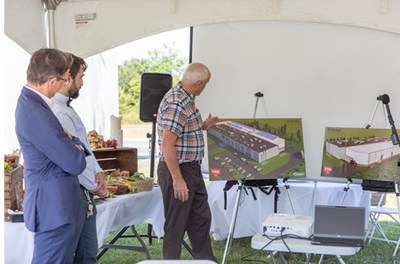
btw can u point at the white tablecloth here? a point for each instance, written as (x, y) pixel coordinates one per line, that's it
(252, 213)
(113, 214)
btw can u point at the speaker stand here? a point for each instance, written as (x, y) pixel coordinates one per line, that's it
(152, 157)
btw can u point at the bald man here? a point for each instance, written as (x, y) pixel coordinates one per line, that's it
(179, 127)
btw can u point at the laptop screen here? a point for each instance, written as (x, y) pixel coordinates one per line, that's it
(339, 221)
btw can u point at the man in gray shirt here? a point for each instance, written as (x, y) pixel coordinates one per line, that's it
(92, 180)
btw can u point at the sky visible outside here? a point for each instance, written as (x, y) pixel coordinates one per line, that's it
(178, 39)
(14, 61)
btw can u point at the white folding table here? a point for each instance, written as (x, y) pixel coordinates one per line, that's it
(295, 245)
(113, 214)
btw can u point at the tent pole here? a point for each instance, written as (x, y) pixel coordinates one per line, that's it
(51, 28)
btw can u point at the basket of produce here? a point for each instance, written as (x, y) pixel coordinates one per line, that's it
(116, 183)
(139, 183)
(117, 189)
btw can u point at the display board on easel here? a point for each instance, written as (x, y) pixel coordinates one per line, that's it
(256, 149)
(252, 150)
(371, 155)
(360, 153)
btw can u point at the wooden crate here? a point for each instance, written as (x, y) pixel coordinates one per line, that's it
(13, 190)
(120, 158)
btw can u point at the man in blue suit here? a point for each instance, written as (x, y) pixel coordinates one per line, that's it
(52, 158)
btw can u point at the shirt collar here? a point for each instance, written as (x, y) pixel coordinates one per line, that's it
(191, 96)
(61, 98)
(45, 98)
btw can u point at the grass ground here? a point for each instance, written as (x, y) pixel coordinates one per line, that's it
(241, 252)
(377, 252)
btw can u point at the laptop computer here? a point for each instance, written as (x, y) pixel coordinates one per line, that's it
(339, 226)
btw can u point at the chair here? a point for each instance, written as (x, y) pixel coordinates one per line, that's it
(378, 210)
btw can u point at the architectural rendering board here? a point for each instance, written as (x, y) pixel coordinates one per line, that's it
(360, 153)
(255, 149)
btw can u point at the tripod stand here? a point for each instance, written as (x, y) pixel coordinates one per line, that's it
(260, 95)
(384, 100)
(381, 186)
(242, 185)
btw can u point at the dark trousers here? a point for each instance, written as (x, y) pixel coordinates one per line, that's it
(84, 245)
(192, 216)
(53, 246)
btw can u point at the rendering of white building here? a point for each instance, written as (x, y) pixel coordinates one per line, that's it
(363, 152)
(256, 144)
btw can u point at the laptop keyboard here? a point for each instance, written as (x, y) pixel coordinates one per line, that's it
(338, 242)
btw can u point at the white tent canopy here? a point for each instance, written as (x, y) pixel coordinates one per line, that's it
(87, 27)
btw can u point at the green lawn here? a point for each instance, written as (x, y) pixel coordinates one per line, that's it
(241, 252)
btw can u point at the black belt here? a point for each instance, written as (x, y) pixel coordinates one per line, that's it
(195, 162)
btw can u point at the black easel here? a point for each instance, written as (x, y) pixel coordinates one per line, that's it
(381, 186)
(274, 187)
(287, 187)
(242, 186)
(345, 190)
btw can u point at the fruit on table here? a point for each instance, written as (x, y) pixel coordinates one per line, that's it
(96, 140)
(111, 143)
(8, 166)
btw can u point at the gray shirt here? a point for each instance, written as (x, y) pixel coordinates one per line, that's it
(71, 122)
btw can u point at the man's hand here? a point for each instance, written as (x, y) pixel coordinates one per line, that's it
(210, 121)
(181, 192)
(68, 134)
(101, 189)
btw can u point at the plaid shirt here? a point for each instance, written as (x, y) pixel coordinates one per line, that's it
(178, 114)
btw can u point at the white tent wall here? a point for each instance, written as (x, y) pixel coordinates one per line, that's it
(98, 98)
(14, 78)
(326, 74)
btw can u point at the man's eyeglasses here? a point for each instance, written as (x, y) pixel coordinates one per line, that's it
(66, 82)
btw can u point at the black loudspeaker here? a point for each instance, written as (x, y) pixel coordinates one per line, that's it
(152, 90)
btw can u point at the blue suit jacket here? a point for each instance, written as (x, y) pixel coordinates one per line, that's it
(51, 163)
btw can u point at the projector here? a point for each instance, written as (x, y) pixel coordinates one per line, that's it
(298, 225)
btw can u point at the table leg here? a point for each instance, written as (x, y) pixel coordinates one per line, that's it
(309, 258)
(142, 248)
(139, 238)
(320, 259)
(340, 259)
(272, 257)
(282, 258)
(117, 236)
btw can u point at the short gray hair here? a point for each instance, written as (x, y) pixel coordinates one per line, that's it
(196, 72)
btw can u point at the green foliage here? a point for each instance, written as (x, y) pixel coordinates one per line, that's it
(165, 61)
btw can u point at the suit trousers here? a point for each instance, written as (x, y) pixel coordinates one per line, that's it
(53, 246)
(192, 216)
(85, 245)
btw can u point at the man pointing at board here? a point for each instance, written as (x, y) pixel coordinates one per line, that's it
(180, 135)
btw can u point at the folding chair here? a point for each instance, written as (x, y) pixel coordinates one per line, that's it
(378, 209)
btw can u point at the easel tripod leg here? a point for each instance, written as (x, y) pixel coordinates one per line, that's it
(233, 223)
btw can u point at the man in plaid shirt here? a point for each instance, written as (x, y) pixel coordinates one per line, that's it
(180, 135)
